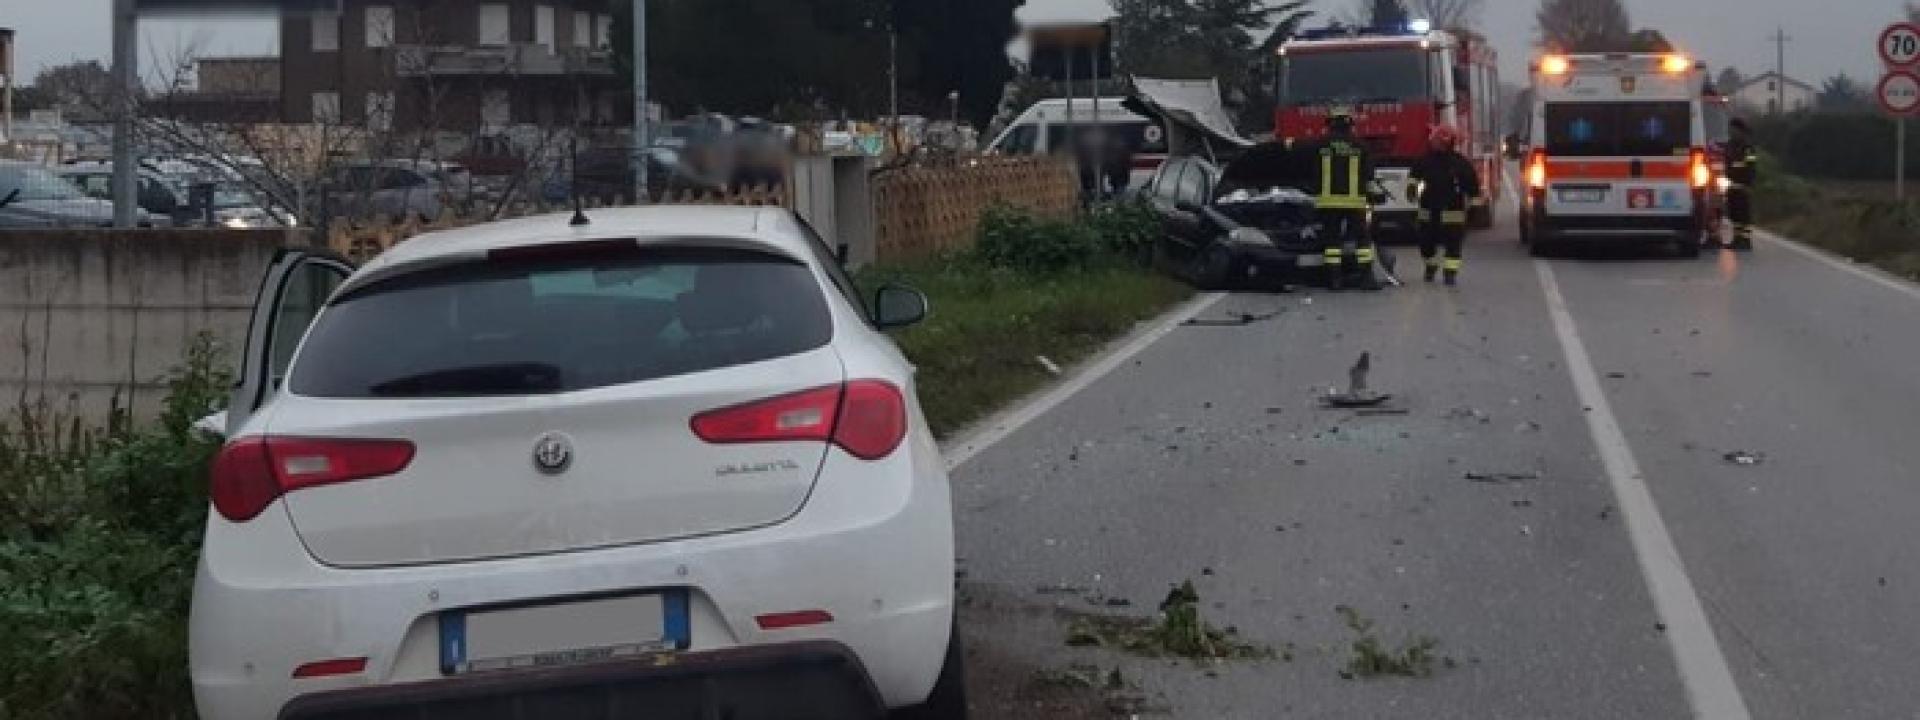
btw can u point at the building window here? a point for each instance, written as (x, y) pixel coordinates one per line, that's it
(380, 111)
(496, 25)
(603, 31)
(582, 29)
(326, 107)
(543, 26)
(496, 110)
(1772, 86)
(326, 31)
(379, 26)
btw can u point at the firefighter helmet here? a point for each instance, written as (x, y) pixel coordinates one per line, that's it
(1340, 117)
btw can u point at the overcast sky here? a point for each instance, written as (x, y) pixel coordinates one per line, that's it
(1829, 36)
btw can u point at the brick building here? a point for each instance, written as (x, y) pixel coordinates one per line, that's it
(471, 66)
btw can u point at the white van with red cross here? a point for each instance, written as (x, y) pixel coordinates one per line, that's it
(1618, 152)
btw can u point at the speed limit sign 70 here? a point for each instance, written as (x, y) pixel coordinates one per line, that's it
(1900, 45)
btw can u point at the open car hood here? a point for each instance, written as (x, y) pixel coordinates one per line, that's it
(1191, 110)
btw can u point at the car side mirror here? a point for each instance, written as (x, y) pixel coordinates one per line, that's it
(897, 306)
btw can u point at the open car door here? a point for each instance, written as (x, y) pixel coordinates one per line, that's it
(297, 285)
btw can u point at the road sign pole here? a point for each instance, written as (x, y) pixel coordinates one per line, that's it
(1900, 161)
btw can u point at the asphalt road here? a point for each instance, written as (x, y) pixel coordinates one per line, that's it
(1556, 592)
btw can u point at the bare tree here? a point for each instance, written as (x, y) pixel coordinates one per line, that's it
(1451, 14)
(1583, 25)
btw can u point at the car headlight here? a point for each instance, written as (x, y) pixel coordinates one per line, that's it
(1248, 236)
(237, 223)
(1724, 182)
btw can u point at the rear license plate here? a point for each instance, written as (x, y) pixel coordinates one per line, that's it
(1583, 196)
(533, 636)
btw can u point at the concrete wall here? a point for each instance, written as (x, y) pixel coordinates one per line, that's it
(90, 318)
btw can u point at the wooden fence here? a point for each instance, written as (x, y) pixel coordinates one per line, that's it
(927, 210)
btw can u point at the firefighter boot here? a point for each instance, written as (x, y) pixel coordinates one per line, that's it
(1363, 262)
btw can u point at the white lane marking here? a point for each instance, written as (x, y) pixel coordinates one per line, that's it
(1703, 667)
(1842, 264)
(998, 427)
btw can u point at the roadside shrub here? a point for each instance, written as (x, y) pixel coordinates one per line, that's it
(99, 534)
(1014, 239)
(1126, 229)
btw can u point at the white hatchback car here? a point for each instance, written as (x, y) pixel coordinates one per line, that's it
(664, 465)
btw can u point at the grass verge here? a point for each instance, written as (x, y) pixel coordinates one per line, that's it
(980, 348)
(1854, 220)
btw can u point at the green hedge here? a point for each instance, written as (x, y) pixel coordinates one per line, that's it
(1853, 146)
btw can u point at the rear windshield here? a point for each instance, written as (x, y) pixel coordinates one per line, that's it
(542, 326)
(1608, 129)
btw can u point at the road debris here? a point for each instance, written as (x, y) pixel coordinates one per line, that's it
(1234, 320)
(1617, 376)
(1372, 659)
(1502, 477)
(1047, 363)
(1178, 631)
(1742, 457)
(1462, 412)
(1357, 394)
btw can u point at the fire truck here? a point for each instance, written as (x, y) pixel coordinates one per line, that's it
(1400, 83)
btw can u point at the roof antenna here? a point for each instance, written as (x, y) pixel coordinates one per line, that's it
(573, 181)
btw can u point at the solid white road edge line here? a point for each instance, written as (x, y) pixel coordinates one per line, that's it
(997, 427)
(1703, 667)
(1843, 264)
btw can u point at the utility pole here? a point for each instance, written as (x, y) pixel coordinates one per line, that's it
(1780, 40)
(642, 125)
(126, 82)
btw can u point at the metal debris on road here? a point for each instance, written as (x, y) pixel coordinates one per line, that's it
(1503, 477)
(1742, 457)
(1236, 320)
(1357, 394)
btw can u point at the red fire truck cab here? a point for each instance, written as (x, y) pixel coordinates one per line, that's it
(1400, 83)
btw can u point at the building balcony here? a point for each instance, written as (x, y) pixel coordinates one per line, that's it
(522, 59)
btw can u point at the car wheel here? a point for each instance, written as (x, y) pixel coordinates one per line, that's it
(948, 701)
(1214, 271)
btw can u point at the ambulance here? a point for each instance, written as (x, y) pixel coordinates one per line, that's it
(1618, 152)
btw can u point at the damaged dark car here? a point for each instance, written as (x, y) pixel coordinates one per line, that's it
(1244, 225)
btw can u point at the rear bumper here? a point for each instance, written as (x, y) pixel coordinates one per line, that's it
(824, 678)
(1680, 226)
(874, 551)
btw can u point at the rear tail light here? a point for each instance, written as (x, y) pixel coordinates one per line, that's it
(1701, 172)
(867, 418)
(331, 668)
(1537, 170)
(801, 618)
(250, 473)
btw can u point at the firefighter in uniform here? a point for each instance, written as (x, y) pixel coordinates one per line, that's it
(1741, 174)
(1444, 182)
(1342, 173)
